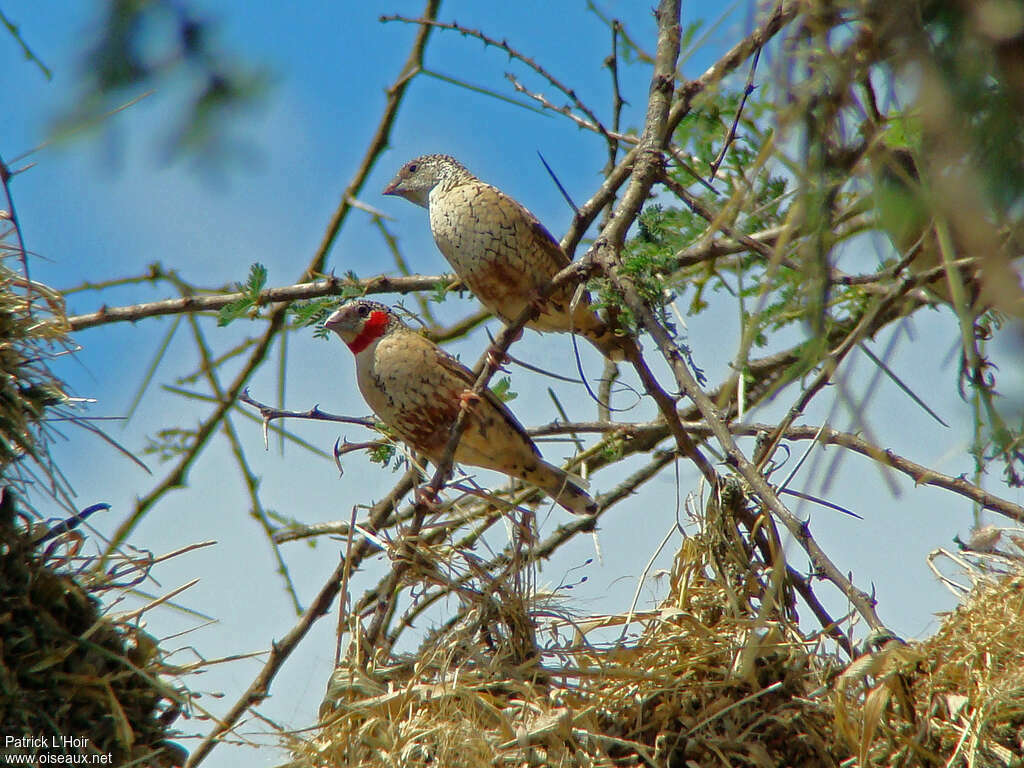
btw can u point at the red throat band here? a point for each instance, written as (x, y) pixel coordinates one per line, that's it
(374, 327)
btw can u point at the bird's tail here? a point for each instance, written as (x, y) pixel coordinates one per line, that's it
(562, 487)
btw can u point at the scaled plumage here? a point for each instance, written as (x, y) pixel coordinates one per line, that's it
(499, 249)
(416, 388)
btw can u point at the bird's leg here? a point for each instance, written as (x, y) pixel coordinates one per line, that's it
(469, 399)
(497, 359)
(428, 497)
(539, 305)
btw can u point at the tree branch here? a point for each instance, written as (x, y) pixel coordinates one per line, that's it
(331, 286)
(259, 689)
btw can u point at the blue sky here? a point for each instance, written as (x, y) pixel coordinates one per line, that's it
(110, 203)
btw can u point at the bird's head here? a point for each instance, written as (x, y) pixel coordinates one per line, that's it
(361, 322)
(415, 180)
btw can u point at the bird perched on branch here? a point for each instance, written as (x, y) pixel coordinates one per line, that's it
(500, 250)
(417, 389)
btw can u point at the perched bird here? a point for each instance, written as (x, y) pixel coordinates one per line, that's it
(417, 389)
(499, 249)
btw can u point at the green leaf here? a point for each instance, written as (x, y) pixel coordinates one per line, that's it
(613, 449)
(440, 292)
(503, 390)
(234, 311)
(383, 454)
(313, 312)
(248, 304)
(256, 281)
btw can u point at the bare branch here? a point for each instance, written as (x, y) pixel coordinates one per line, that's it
(919, 473)
(749, 89)
(259, 689)
(269, 413)
(331, 286)
(511, 52)
(251, 480)
(176, 477)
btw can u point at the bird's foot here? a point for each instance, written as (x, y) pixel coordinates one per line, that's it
(537, 303)
(497, 360)
(469, 399)
(427, 497)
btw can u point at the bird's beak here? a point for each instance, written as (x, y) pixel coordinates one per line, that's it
(392, 187)
(333, 323)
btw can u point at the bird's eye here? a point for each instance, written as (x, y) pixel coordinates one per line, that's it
(413, 167)
(364, 310)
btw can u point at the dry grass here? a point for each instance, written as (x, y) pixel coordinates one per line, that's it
(31, 332)
(708, 680)
(68, 670)
(954, 699)
(701, 682)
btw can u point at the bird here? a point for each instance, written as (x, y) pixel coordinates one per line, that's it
(417, 389)
(500, 250)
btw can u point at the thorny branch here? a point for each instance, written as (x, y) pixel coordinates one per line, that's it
(606, 248)
(785, 12)
(512, 53)
(657, 431)
(648, 166)
(330, 286)
(259, 687)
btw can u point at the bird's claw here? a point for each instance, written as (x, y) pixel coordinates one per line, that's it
(537, 303)
(497, 360)
(427, 497)
(469, 398)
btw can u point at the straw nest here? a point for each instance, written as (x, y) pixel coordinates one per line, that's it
(713, 679)
(32, 330)
(85, 682)
(956, 699)
(705, 681)
(72, 681)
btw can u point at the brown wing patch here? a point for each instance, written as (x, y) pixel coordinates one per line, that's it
(426, 428)
(546, 243)
(529, 229)
(464, 376)
(453, 369)
(506, 415)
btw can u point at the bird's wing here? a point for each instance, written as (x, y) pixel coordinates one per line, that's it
(530, 233)
(547, 244)
(461, 376)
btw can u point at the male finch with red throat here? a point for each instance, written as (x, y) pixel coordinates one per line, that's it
(416, 389)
